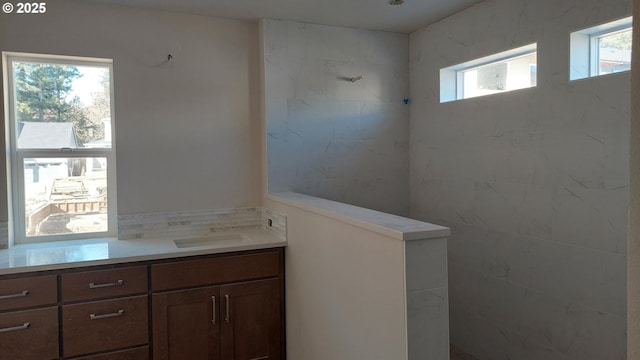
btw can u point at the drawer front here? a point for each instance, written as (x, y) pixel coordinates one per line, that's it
(141, 353)
(30, 334)
(28, 292)
(192, 273)
(104, 325)
(102, 284)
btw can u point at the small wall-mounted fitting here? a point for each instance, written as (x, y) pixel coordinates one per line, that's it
(170, 60)
(354, 79)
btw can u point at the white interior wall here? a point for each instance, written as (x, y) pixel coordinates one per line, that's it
(187, 135)
(325, 135)
(533, 183)
(345, 289)
(4, 206)
(634, 205)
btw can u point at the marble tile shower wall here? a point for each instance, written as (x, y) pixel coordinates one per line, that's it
(330, 137)
(533, 183)
(199, 223)
(427, 299)
(4, 235)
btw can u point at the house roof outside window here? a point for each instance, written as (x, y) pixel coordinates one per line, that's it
(46, 135)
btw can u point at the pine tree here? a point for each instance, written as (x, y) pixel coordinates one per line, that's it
(43, 95)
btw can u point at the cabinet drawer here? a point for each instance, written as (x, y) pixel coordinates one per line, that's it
(104, 325)
(141, 353)
(102, 284)
(30, 334)
(27, 292)
(193, 273)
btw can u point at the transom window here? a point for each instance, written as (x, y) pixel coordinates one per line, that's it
(60, 136)
(502, 72)
(602, 49)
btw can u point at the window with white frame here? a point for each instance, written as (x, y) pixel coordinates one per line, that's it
(601, 50)
(505, 71)
(60, 137)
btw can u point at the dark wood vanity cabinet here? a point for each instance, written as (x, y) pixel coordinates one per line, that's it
(240, 319)
(140, 353)
(186, 324)
(104, 310)
(219, 307)
(252, 328)
(29, 318)
(107, 325)
(29, 334)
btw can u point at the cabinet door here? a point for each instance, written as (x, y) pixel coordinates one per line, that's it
(28, 292)
(29, 335)
(105, 325)
(102, 284)
(141, 353)
(186, 325)
(252, 324)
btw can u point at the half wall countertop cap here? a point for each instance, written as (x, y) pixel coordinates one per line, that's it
(394, 226)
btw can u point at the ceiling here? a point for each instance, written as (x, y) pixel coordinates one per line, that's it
(366, 14)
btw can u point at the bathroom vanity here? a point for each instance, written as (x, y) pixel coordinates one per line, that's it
(225, 305)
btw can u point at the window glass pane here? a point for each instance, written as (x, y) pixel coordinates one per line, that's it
(614, 52)
(512, 74)
(65, 195)
(62, 106)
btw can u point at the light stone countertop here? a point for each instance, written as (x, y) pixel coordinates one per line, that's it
(394, 226)
(80, 253)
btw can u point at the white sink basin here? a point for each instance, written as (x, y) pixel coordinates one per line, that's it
(212, 240)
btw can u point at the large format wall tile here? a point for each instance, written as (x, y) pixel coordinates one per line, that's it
(533, 183)
(4, 234)
(428, 324)
(330, 137)
(427, 295)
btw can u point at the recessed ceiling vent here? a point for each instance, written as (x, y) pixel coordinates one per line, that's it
(396, 2)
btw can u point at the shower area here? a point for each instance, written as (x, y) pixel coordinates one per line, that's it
(533, 183)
